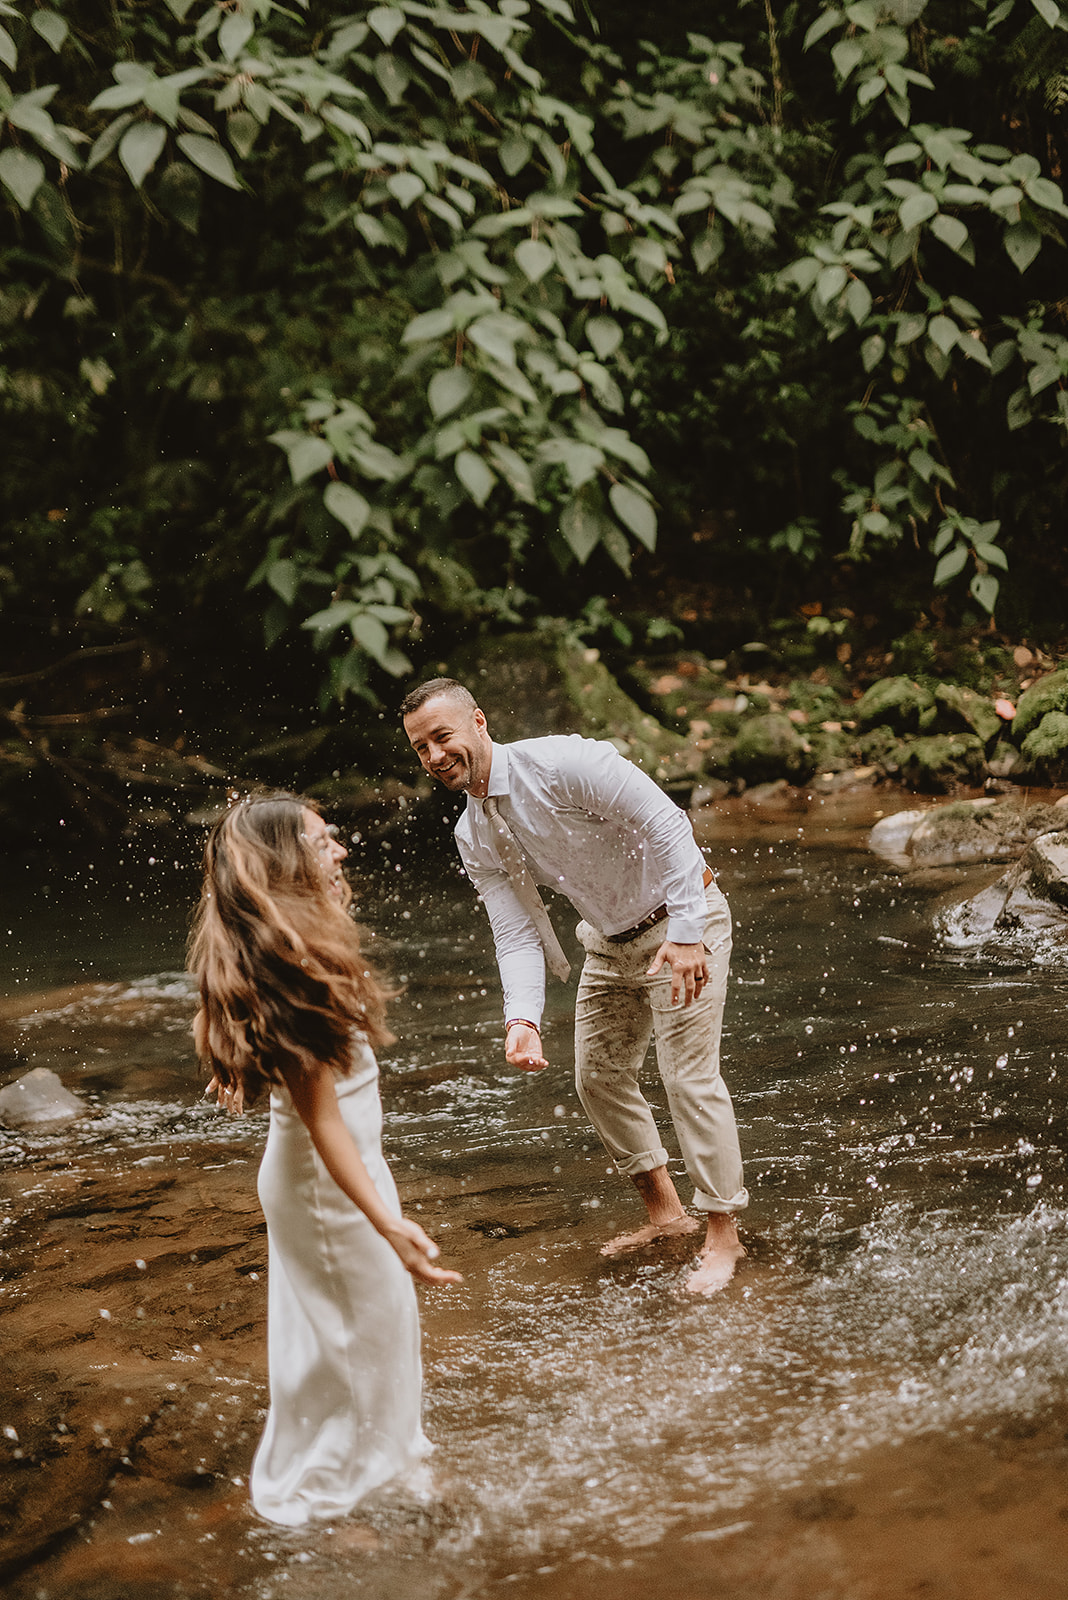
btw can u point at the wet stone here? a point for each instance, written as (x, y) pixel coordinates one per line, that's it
(38, 1097)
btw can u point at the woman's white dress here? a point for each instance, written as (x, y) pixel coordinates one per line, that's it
(342, 1323)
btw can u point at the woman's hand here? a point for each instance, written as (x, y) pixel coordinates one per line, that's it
(417, 1251)
(230, 1098)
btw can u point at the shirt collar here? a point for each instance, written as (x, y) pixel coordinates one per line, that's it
(498, 778)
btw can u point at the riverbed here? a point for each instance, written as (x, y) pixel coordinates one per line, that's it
(877, 1406)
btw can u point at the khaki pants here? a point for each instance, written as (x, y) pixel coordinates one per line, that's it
(617, 1010)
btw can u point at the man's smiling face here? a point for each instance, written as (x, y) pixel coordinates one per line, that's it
(452, 743)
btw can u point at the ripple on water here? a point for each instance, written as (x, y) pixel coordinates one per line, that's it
(614, 1402)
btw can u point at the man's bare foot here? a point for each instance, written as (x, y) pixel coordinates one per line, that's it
(720, 1254)
(670, 1228)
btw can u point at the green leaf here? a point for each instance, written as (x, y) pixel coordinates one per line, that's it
(496, 334)
(52, 28)
(871, 89)
(950, 565)
(1018, 412)
(605, 336)
(387, 22)
(984, 588)
(393, 77)
(335, 616)
(941, 148)
(308, 456)
(858, 300)
(872, 351)
(973, 347)
(1045, 193)
(581, 462)
(581, 526)
(8, 52)
(830, 283)
(284, 578)
(21, 174)
(910, 325)
(514, 471)
(405, 187)
(140, 148)
(447, 390)
(534, 258)
(348, 506)
(371, 634)
(515, 152)
(234, 34)
(1023, 242)
(917, 208)
(947, 532)
(635, 513)
(1043, 375)
(475, 476)
(993, 555)
(1051, 15)
(242, 130)
(120, 96)
(846, 55)
(210, 158)
(429, 325)
(823, 24)
(952, 232)
(943, 332)
(514, 380)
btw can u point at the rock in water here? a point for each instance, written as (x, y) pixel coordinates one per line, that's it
(38, 1096)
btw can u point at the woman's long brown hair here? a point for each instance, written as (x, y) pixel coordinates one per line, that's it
(283, 980)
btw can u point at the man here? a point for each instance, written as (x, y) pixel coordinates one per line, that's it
(572, 814)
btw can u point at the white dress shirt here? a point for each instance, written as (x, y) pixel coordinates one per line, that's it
(592, 826)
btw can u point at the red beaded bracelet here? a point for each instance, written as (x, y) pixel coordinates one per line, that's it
(521, 1022)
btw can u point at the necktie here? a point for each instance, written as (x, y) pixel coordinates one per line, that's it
(526, 889)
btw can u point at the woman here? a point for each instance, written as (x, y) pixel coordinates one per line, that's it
(289, 1004)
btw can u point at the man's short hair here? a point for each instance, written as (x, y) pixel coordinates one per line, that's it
(433, 687)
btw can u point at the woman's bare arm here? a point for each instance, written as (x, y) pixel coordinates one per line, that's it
(316, 1102)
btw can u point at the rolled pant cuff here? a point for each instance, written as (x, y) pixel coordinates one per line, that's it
(646, 1161)
(712, 1202)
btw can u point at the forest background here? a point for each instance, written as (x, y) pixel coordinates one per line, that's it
(335, 340)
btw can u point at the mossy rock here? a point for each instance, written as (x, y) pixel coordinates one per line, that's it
(881, 747)
(940, 760)
(964, 709)
(1005, 761)
(831, 751)
(900, 704)
(534, 684)
(1046, 746)
(982, 830)
(1048, 694)
(677, 688)
(769, 747)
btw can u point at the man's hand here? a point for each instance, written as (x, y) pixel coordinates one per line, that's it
(522, 1048)
(689, 970)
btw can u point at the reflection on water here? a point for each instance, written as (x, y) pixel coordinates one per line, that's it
(903, 1115)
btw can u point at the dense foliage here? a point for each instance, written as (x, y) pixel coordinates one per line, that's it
(410, 313)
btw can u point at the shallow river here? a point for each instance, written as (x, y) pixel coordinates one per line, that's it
(902, 1111)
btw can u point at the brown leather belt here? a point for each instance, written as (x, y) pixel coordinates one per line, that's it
(653, 918)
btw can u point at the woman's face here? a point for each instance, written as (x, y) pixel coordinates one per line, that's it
(329, 851)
